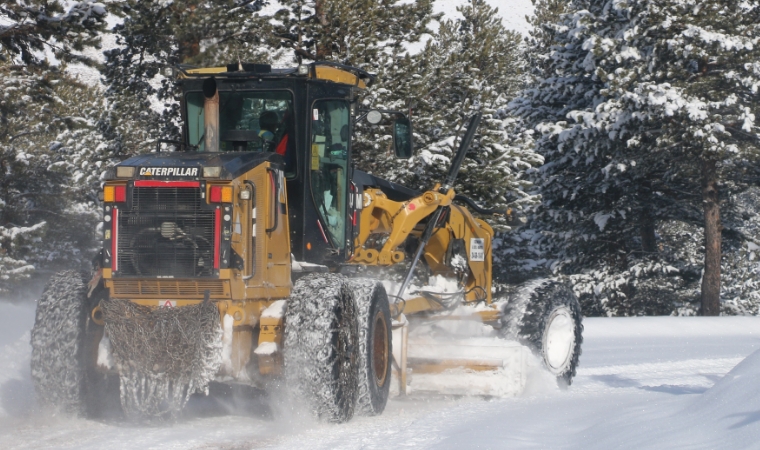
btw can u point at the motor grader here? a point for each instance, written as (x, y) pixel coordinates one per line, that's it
(253, 251)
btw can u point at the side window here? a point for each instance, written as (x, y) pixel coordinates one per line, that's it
(195, 119)
(330, 130)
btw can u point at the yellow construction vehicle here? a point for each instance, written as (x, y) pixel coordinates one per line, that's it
(253, 253)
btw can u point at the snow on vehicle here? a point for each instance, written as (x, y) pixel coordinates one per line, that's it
(248, 257)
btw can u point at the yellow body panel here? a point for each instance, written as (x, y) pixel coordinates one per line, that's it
(338, 76)
(241, 294)
(207, 70)
(326, 73)
(272, 330)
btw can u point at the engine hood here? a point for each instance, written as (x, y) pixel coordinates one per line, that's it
(189, 165)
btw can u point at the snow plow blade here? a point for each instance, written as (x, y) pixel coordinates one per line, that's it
(455, 365)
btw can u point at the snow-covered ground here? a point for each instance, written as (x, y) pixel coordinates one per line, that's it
(657, 382)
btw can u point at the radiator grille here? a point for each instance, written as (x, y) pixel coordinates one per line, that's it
(166, 232)
(168, 288)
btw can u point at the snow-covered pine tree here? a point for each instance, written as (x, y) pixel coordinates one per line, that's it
(574, 223)
(29, 28)
(52, 156)
(45, 213)
(470, 64)
(543, 22)
(362, 33)
(705, 68)
(157, 34)
(667, 93)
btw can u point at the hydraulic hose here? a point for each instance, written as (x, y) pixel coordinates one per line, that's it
(472, 127)
(475, 207)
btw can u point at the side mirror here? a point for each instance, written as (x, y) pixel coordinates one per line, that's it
(402, 138)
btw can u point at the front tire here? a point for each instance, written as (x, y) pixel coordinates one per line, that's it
(546, 317)
(375, 347)
(321, 335)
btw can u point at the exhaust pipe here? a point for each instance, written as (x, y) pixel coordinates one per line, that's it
(211, 115)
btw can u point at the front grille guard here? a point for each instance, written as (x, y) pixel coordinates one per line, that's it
(167, 232)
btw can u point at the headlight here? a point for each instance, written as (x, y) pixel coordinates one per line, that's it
(211, 172)
(125, 172)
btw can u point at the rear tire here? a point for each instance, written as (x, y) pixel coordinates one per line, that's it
(545, 316)
(58, 343)
(375, 347)
(321, 338)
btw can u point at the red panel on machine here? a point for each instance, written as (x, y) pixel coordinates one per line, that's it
(120, 194)
(217, 236)
(115, 240)
(168, 184)
(216, 194)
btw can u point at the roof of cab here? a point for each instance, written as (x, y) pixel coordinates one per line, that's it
(327, 71)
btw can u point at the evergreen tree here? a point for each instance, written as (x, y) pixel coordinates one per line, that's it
(52, 156)
(361, 33)
(543, 22)
(46, 179)
(30, 27)
(645, 105)
(156, 34)
(470, 64)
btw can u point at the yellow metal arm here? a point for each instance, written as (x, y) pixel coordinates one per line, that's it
(396, 219)
(385, 225)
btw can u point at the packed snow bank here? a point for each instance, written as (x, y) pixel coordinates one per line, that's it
(626, 340)
(725, 416)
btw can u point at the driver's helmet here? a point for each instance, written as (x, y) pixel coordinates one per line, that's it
(269, 120)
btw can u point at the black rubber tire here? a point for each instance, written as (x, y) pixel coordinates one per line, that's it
(64, 350)
(58, 343)
(321, 339)
(375, 346)
(528, 315)
(101, 394)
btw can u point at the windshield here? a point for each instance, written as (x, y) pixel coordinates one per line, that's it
(248, 121)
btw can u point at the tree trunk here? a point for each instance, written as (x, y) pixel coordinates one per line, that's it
(323, 45)
(188, 49)
(647, 231)
(713, 228)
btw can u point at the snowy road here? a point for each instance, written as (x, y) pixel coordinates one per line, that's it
(643, 383)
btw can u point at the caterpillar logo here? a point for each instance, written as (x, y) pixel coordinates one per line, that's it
(169, 171)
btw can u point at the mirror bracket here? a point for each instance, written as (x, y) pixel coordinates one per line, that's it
(403, 140)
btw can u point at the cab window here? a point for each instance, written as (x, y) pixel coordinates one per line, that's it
(248, 121)
(330, 129)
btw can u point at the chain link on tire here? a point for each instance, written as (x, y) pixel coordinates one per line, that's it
(375, 348)
(321, 338)
(58, 343)
(545, 316)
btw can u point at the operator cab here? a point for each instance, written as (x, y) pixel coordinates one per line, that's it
(306, 115)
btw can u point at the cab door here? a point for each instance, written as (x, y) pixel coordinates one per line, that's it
(328, 164)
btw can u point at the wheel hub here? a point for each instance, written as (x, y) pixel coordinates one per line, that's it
(380, 349)
(559, 339)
